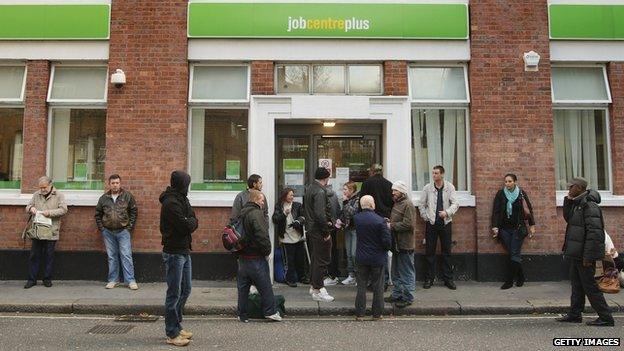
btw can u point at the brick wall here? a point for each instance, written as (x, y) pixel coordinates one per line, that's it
(262, 78)
(615, 72)
(395, 78)
(511, 114)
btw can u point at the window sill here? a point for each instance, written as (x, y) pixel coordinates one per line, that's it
(73, 198)
(212, 198)
(465, 198)
(607, 199)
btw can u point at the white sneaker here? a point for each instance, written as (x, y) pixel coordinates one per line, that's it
(253, 290)
(329, 281)
(275, 317)
(322, 296)
(311, 291)
(111, 285)
(349, 281)
(133, 286)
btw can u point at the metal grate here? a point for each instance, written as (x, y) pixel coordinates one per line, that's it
(110, 329)
(133, 318)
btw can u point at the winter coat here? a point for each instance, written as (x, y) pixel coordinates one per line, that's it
(317, 210)
(54, 203)
(402, 223)
(428, 202)
(380, 189)
(279, 217)
(240, 200)
(256, 241)
(349, 208)
(584, 238)
(499, 212)
(373, 238)
(115, 215)
(177, 219)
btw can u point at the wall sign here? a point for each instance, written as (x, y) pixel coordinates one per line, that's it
(586, 22)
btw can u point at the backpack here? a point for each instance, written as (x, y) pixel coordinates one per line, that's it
(232, 234)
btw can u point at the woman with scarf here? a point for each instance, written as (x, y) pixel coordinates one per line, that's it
(509, 223)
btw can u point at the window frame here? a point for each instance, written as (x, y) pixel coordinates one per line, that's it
(75, 102)
(19, 101)
(49, 142)
(464, 66)
(582, 103)
(606, 192)
(218, 101)
(346, 66)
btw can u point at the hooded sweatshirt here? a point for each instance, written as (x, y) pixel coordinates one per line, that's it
(177, 219)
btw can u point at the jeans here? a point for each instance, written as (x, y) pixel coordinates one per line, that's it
(295, 261)
(350, 245)
(373, 274)
(38, 249)
(513, 243)
(254, 271)
(118, 245)
(404, 277)
(179, 273)
(321, 257)
(432, 234)
(583, 283)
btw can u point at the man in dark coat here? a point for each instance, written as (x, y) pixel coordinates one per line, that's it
(380, 189)
(584, 244)
(177, 223)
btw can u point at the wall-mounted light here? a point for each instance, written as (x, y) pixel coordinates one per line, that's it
(329, 124)
(118, 78)
(531, 61)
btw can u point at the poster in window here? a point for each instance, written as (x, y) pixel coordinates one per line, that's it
(80, 172)
(232, 169)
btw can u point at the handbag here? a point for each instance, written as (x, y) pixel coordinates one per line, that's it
(37, 231)
(609, 283)
(526, 211)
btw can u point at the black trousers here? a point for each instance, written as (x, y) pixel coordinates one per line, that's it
(373, 274)
(295, 261)
(332, 270)
(432, 233)
(41, 249)
(321, 257)
(583, 284)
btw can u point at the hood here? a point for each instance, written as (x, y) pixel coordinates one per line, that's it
(593, 196)
(169, 192)
(180, 181)
(250, 206)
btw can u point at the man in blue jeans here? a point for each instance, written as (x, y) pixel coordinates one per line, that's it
(177, 223)
(253, 268)
(115, 216)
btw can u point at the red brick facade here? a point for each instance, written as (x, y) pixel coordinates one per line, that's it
(395, 78)
(615, 72)
(262, 78)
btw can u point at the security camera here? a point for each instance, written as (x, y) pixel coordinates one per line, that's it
(118, 78)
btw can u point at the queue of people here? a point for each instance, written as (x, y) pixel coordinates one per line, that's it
(372, 225)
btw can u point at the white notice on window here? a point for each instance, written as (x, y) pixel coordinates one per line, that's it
(41, 219)
(342, 176)
(293, 179)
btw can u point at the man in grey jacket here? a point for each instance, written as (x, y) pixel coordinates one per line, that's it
(437, 206)
(254, 182)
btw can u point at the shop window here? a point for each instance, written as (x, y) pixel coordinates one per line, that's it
(581, 147)
(218, 149)
(219, 83)
(580, 85)
(438, 84)
(337, 79)
(78, 148)
(81, 84)
(439, 138)
(12, 83)
(11, 141)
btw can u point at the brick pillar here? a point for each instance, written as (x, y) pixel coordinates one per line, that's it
(146, 124)
(262, 78)
(511, 117)
(395, 78)
(35, 124)
(615, 71)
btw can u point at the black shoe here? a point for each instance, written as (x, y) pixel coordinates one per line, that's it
(601, 323)
(243, 320)
(47, 283)
(570, 319)
(428, 284)
(305, 281)
(291, 284)
(449, 284)
(507, 285)
(519, 275)
(402, 304)
(30, 284)
(389, 299)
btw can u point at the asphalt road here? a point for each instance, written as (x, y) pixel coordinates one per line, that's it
(63, 332)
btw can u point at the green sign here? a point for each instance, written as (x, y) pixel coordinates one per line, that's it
(88, 185)
(327, 20)
(219, 186)
(10, 184)
(586, 22)
(54, 22)
(293, 165)
(232, 169)
(80, 172)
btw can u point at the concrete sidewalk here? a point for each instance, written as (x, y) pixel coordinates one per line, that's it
(219, 298)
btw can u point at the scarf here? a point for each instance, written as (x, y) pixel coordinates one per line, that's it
(511, 196)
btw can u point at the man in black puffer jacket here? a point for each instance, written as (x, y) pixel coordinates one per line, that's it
(177, 223)
(584, 244)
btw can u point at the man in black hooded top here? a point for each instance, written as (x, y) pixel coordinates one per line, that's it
(177, 222)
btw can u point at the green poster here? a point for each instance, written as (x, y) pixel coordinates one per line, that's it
(586, 21)
(232, 169)
(80, 172)
(293, 165)
(327, 20)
